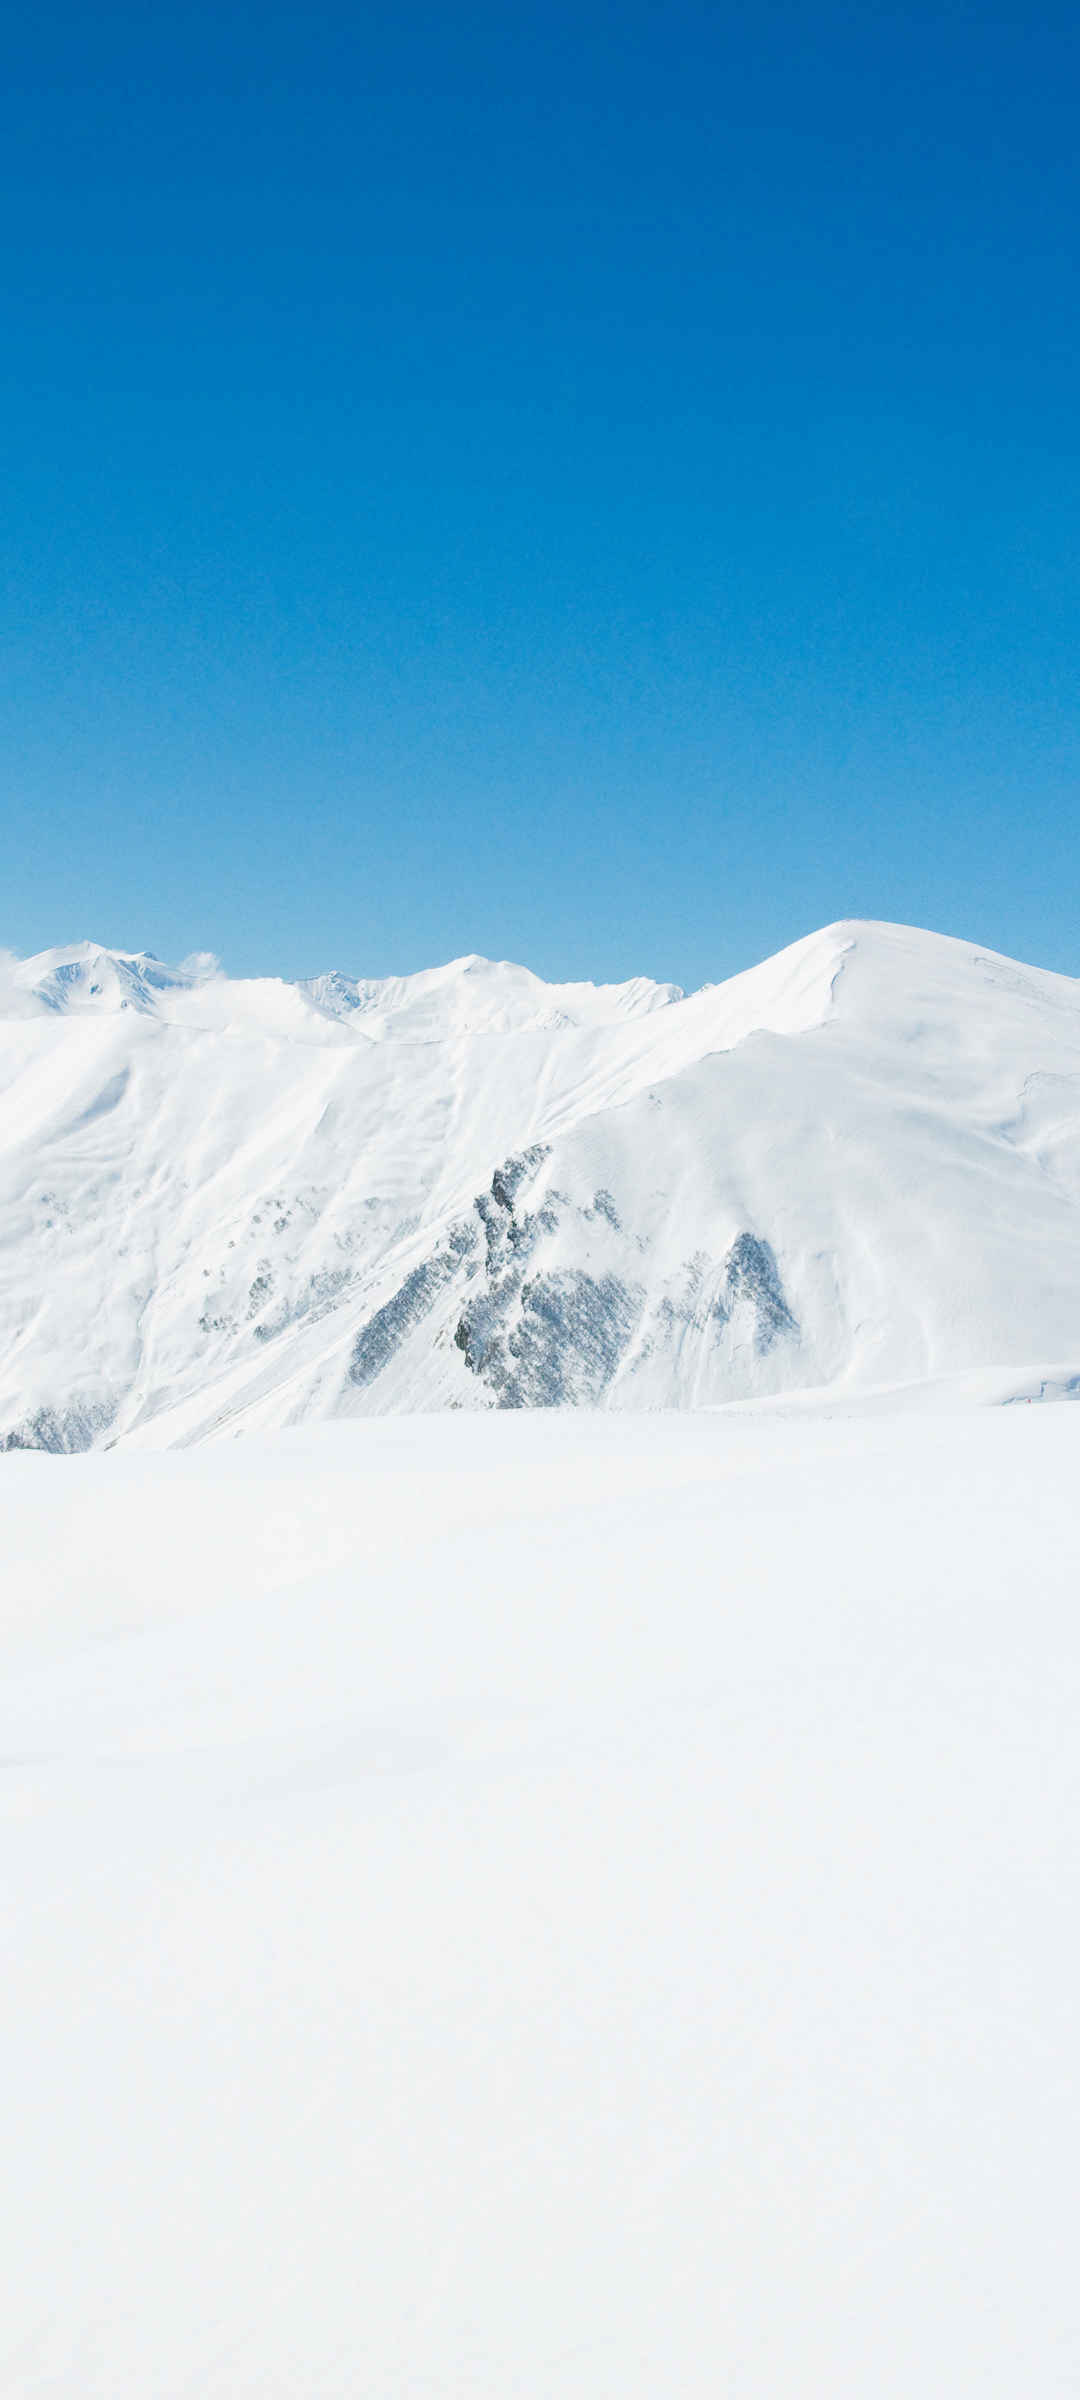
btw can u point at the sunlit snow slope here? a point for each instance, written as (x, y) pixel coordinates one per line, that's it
(238, 1204)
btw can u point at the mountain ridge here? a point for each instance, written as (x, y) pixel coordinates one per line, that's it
(230, 1203)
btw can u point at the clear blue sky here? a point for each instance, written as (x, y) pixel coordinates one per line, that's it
(596, 485)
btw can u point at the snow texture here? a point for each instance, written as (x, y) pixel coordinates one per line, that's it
(546, 1904)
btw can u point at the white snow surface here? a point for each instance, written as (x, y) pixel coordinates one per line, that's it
(241, 1205)
(562, 1905)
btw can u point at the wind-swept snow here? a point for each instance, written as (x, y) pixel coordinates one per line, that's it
(231, 1205)
(562, 1906)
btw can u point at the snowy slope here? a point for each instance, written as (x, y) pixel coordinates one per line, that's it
(578, 1908)
(242, 1204)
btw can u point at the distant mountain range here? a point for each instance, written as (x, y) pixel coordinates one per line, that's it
(231, 1204)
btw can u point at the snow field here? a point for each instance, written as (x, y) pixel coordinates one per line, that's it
(551, 1904)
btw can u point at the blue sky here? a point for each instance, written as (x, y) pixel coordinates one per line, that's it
(597, 486)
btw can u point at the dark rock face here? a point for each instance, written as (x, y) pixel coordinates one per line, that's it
(385, 1332)
(742, 1291)
(753, 1275)
(541, 1340)
(536, 1334)
(571, 1334)
(61, 1431)
(508, 1179)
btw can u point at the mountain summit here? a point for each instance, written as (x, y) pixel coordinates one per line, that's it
(228, 1204)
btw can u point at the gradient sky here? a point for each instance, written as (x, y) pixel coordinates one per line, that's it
(594, 485)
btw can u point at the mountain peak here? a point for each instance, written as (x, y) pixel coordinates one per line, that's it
(248, 1201)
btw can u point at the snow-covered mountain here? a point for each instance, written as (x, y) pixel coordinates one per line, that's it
(233, 1204)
